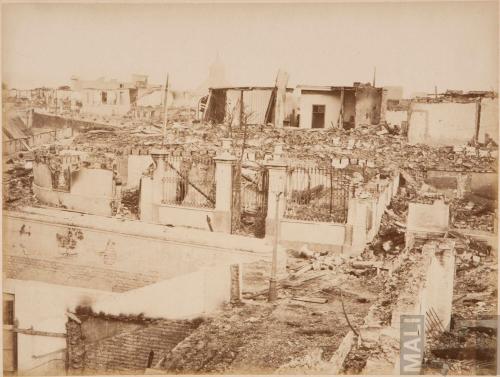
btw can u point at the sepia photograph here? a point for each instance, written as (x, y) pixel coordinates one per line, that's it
(250, 188)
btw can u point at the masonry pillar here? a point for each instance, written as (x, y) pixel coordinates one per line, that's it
(277, 176)
(357, 223)
(224, 162)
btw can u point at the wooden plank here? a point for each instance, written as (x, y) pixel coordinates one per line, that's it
(479, 323)
(39, 333)
(315, 300)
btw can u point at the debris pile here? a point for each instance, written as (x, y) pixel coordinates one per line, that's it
(17, 185)
(130, 204)
(470, 347)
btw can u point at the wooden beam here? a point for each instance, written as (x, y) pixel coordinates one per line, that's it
(315, 300)
(39, 333)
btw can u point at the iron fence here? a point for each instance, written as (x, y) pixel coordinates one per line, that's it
(189, 181)
(318, 194)
(249, 199)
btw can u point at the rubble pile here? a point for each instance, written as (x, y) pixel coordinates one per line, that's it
(249, 339)
(402, 279)
(17, 185)
(476, 214)
(130, 204)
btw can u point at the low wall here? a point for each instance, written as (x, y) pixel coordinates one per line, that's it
(428, 217)
(170, 214)
(363, 223)
(185, 216)
(185, 296)
(104, 253)
(316, 235)
(91, 190)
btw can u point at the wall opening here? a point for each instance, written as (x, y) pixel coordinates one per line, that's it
(318, 116)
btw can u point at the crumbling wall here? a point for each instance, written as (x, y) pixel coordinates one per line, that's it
(484, 184)
(368, 105)
(427, 218)
(450, 123)
(90, 190)
(489, 120)
(127, 351)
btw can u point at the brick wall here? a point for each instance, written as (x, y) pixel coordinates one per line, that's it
(55, 272)
(125, 352)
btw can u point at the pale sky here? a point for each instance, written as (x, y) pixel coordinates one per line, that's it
(415, 45)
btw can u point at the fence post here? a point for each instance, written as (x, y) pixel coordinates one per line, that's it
(223, 187)
(277, 176)
(235, 296)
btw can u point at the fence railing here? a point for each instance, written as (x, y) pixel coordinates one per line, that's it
(189, 181)
(318, 194)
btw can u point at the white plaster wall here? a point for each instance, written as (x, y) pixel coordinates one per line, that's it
(314, 232)
(43, 306)
(427, 217)
(91, 190)
(137, 164)
(184, 216)
(396, 117)
(489, 119)
(332, 108)
(181, 297)
(145, 200)
(442, 123)
(92, 183)
(439, 287)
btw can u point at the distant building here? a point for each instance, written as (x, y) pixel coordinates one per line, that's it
(256, 104)
(150, 102)
(339, 106)
(106, 97)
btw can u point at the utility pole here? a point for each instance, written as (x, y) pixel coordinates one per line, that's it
(273, 288)
(374, 74)
(165, 115)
